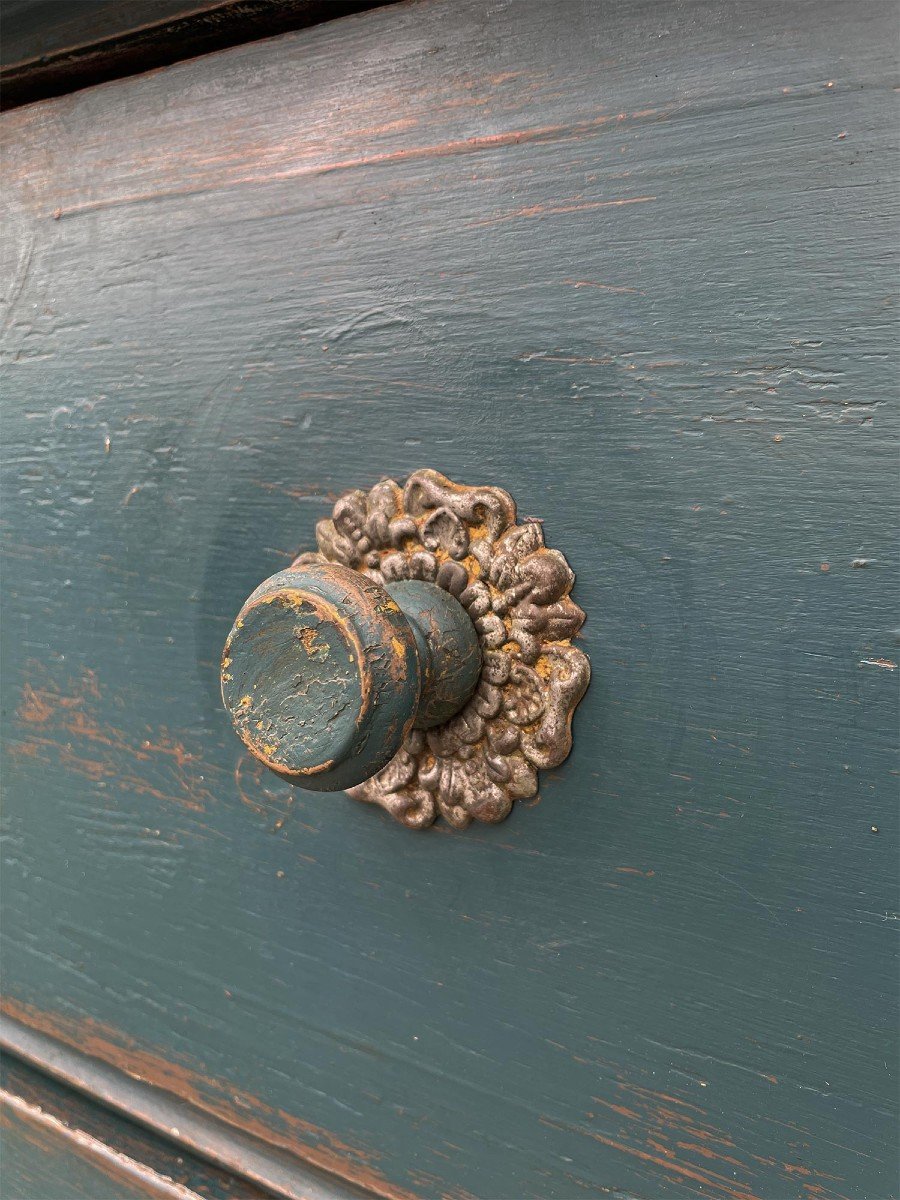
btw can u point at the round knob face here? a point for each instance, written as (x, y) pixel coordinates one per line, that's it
(321, 676)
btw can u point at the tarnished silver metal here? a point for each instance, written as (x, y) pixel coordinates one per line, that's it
(516, 591)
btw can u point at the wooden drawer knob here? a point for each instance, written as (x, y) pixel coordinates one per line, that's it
(326, 671)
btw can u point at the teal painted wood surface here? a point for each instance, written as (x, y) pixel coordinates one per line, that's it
(632, 263)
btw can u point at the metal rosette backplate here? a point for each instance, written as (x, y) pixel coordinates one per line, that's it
(516, 590)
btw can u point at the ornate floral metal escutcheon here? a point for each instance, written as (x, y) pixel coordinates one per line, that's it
(421, 659)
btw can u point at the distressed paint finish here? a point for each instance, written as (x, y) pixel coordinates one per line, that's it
(41, 1158)
(325, 673)
(156, 1095)
(447, 646)
(321, 675)
(60, 1145)
(427, 234)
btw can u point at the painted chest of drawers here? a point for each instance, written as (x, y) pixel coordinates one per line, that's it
(632, 263)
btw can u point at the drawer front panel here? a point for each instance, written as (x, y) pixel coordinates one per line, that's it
(629, 265)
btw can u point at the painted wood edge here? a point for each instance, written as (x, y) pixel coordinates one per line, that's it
(199, 1133)
(46, 1112)
(36, 31)
(137, 42)
(118, 1166)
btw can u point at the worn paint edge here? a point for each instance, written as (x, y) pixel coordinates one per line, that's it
(204, 1135)
(96, 1134)
(90, 1148)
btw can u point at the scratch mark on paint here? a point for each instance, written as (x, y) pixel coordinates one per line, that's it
(545, 210)
(603, 287)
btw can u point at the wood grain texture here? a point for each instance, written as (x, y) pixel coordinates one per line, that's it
(635, 266)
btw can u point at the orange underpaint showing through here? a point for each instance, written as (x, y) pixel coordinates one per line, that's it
(35, 709)
(59, 722)
(676, 1131)
(266, 794)
(720, 1184)
(549, 210)
(307, 1142)
(309, 160)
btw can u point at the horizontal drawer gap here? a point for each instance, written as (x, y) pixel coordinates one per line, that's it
(134, 1127)
(50, 49)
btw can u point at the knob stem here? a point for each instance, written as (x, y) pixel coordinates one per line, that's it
(447, 646)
